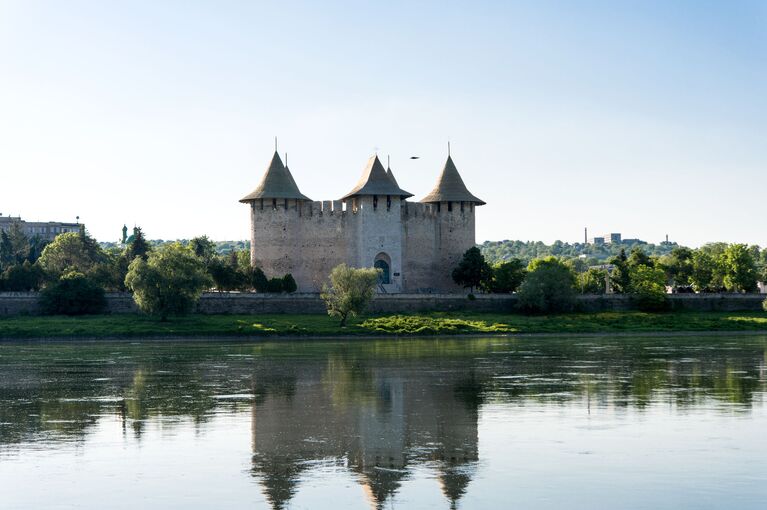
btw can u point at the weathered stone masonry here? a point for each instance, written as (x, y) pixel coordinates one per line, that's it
(416, 244)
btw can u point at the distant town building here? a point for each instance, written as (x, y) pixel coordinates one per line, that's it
(46, 230)
(598, 241)
(614, 237)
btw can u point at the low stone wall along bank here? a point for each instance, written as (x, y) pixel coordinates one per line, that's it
(25, 303)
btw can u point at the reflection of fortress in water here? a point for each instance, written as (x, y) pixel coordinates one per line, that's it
(378, 424)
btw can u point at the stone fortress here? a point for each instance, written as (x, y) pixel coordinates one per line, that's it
(416, 245)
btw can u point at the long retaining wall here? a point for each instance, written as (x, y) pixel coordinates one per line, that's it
(26, 303)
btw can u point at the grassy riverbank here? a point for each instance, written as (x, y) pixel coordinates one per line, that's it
(136, 326)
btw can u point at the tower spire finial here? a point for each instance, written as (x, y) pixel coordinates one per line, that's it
(448, 148)
(275, 144)
(388, 161)
(286, 159)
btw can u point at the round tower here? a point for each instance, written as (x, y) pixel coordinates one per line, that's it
(276, 207)
(376, 238)
(454, 207)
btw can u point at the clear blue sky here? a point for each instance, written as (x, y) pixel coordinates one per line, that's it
(642, 117)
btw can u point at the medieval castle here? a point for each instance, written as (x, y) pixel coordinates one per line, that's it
(415, 244)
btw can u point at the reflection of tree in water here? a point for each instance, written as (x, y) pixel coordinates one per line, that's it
(64, 390)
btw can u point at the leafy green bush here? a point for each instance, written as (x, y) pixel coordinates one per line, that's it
(472, 270)
(289, 284)
(740, 269)
(350, 291)
(507, 276)
(274, 285)
(648, 288)
(259, 280)
(592, 281)
(21, 278)
(73, 294)
(548, 287)
(71, 251)
(168, 282)
(226, 276)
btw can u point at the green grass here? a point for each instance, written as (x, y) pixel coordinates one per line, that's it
(136, 326)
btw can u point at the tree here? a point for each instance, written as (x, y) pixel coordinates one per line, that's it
(110, 273)
(21, 278)
(548, 287)
(7, 256)
(72, 294)
(712, 255)
(762, 266)
(289, 284)
(169, 282)
(259, 280)
(703, 268)
(473, 270)
(203, 248)
(225, 276)
(71, 251)
(36, 246)
(620, 277)
(274, 285)
(138, 246)
(638, 257)
(593, 281)
(739, 269)
(507, 276)
(678, 266)
(648, 286)
(350, 291)
(14, 246)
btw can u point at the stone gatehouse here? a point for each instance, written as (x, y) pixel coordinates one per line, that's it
(415, 244)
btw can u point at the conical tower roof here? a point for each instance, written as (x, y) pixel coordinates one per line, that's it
(376, 181)
(450, 187)
(390, 175)
(276, 183)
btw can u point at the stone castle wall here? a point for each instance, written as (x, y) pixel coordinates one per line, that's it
(421, 242)
(26, 303)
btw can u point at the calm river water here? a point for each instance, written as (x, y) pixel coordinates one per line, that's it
(646, 422)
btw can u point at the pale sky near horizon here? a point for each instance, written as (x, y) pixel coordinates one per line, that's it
(641, 117)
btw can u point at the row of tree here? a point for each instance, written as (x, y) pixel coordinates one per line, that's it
(715, 267)
(74, 272)
(30, 264)
(550, 283)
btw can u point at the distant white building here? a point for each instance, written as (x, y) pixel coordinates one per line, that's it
(47, 230)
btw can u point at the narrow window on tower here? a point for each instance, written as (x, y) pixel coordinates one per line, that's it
(274, 204)
(388, 202)
(375, 201)
(461, 206)
(450, 206)
(439, 206)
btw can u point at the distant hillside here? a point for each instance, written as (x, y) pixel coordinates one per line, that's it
(222, 247)
(495, 251)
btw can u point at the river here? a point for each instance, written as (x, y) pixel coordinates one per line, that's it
(528, 422)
